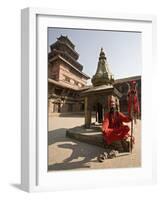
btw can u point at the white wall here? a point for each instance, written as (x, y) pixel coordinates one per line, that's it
(10, 97)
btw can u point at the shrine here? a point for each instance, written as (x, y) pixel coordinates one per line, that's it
(103, 88)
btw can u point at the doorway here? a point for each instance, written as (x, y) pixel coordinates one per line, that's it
(99, 113)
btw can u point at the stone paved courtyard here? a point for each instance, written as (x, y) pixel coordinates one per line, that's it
(68, 154)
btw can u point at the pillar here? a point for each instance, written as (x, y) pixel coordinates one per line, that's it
(87, 113)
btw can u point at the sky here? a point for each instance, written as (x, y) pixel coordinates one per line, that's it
(122, 49)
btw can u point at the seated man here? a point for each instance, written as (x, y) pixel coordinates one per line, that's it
(113, 128)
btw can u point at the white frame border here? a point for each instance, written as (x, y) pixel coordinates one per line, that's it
(29, 85)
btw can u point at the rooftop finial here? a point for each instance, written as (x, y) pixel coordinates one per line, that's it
(102, 54)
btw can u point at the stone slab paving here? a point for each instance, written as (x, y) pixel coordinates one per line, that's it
(65, 153)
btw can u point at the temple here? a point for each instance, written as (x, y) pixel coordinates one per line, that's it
(65, 78)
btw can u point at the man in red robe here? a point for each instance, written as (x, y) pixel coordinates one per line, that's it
(113, 128)
(133, 101)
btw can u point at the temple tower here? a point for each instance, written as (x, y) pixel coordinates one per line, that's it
(103, 75)
(66, 78)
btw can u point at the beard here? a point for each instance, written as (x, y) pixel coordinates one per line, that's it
(112, 110)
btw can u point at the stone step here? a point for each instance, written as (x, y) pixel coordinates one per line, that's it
(89, 137)
(94, 136)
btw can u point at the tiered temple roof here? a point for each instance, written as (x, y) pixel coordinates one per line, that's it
(66, 49)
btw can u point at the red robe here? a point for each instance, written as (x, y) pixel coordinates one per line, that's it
(113, 128)
(133, 102)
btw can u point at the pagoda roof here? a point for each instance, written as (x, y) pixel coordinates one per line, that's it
(101, 89)
(72, 66)
(66, 44)
(66, 40)
(68, 57)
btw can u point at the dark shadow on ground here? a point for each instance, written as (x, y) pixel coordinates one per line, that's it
(71, 114)
(82, 129)
(57, 135)
(77, 152)
(67, 166)
(82, 153)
